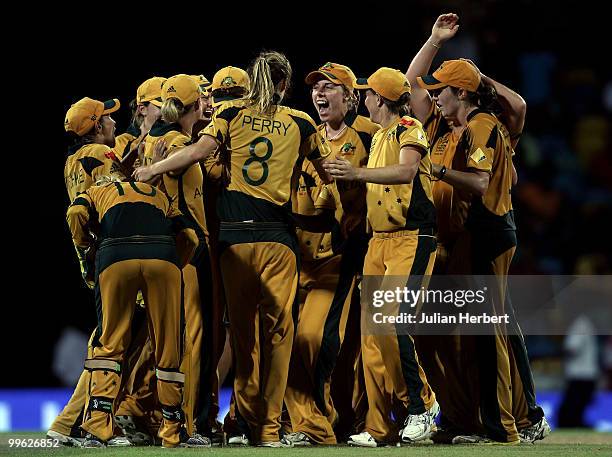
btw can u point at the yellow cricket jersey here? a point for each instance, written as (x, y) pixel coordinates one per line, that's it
(132, 218)
(84, 166)
(123, 142)
(353, 145)
(184, 189)
(263, 153)
(486, 146)
(451, 207)
(313, 195)
(403, 206)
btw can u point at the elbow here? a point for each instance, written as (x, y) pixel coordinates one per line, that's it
(408, 174)
(482, 184)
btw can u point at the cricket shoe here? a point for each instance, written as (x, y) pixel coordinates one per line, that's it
(130, 429)
(364, 439)
(299, 439)
(119, 441)
(481, 439)
(283, 442)
(238, 440)
(195, 440)
(93, 442)
(65, 440)
(419, 427)
(537, 431)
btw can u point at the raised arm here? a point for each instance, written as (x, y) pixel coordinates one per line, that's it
(513, 105)
(443, 30)
(187, 156)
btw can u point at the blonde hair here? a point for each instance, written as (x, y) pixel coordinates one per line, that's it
(172, 110)
(266, 72)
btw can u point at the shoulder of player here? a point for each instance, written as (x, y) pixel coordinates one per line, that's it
(362, 124)
(481, 119)
(230, 106)
(297, 114)
(408, 124)
(96, 150)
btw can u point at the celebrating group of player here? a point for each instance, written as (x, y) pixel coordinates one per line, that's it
(221, 207)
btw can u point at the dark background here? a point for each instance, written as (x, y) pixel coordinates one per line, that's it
(553, 54)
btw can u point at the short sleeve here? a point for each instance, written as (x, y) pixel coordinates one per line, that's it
(410, 133)
(481, 140)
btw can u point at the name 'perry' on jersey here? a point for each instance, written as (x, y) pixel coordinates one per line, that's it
(264, 150)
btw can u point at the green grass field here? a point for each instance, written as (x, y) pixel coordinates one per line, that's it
(572, 442)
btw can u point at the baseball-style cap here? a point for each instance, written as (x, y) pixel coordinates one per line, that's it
(230, 77)
(455, 73)
(336, 73)
(388, 82)
(150, 91)
(203, 82)
(84, 114)
(183, 88)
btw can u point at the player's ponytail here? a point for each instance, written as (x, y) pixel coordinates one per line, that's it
(487, 97)
(267, 71)
(173, 109)
(484, 98)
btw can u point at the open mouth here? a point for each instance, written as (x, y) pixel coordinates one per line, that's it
(323, 106)
(208, 113)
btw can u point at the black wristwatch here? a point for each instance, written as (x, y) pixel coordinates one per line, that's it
(442, 172)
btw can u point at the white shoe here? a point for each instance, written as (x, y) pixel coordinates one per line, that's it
(238, 440)
(65, 440)
(537, 431)
(299, 439)
(119, 441)
(418, 427)
(363, 439)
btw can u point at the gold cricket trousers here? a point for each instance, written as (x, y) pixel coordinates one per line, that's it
(326, 289)
(260, 280)
(136, 397)
(196, 363)
(117, 285)
(391, 366)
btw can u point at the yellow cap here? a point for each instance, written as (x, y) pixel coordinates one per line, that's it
(455, 73)
(183, 88)
(150, 91)
(230, 77)
(203, 82)
(336, 73)
(388, 82)
(84, 114)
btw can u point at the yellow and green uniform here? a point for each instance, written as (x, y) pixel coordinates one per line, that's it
(258, 246)
(329, 265)
(478, 237)
(84, 165)
(402, 252)
(185, 191)
(136, 250)
(124, 142)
